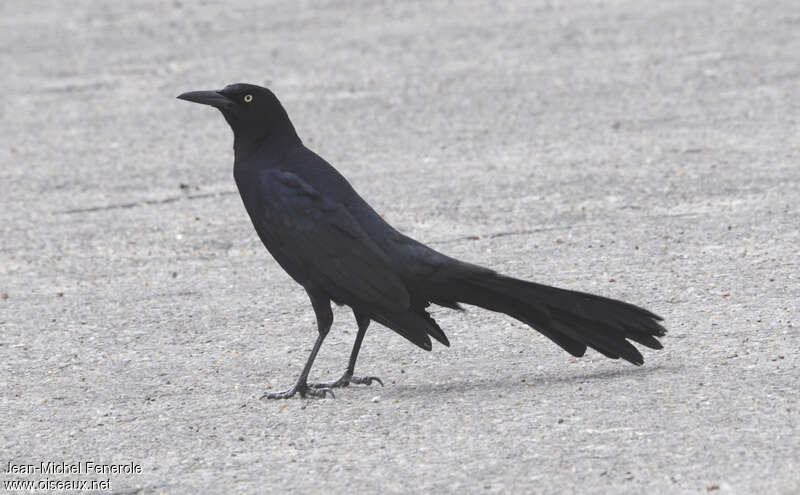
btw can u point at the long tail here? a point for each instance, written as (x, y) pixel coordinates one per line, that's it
(571, 319)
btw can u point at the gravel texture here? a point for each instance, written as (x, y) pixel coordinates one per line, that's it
(642, 150)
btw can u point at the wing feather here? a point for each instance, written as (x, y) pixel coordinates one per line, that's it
(323, 237)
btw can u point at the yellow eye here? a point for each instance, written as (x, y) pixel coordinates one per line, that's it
(248, 98)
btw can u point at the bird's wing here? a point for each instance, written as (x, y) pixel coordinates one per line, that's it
(320, 235)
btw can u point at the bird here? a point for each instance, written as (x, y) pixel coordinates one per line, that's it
(340, 250)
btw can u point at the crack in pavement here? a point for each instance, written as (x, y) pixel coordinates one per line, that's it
(494, 235)
(508, 233)
(146, 202)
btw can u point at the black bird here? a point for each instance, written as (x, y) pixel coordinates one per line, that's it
(330, 241)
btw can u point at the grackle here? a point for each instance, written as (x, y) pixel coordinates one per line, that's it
(330, 241)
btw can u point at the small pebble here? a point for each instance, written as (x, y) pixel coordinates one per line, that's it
(377, 398)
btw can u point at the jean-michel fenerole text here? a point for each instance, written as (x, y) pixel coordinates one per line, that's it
(79, 467)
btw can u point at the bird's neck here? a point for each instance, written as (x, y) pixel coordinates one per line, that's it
(246, 144)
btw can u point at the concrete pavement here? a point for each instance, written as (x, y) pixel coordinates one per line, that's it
(645, 150)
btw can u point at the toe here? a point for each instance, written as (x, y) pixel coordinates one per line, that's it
(321, 392)
(366, 380)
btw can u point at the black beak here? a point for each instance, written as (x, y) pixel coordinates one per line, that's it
(213, 98)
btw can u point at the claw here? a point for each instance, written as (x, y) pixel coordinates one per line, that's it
(365, 380)
(278, 395)
(323, 392)
(301, 389)
(344, 381)
(340, 383)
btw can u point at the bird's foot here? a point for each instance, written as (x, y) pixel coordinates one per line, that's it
(300, 388)
(344, 381)
(365, 380)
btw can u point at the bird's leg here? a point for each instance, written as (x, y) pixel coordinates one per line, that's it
(347, 378)
(322, 308)
(301, 386)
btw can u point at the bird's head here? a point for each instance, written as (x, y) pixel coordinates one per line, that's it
(254, 113)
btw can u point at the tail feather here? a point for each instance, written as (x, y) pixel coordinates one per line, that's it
(414, 326)
(571, 319)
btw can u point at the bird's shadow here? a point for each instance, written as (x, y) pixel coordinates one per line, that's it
(533, 384)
